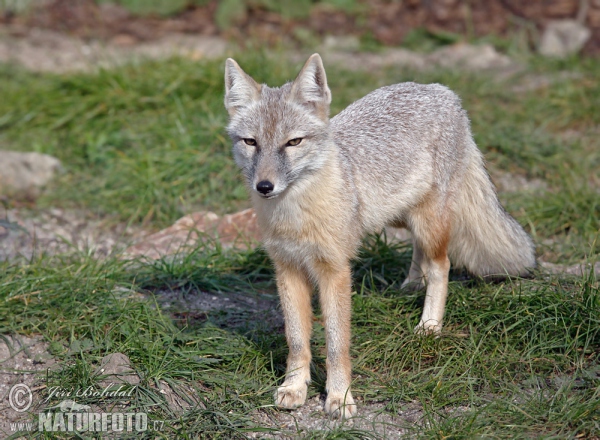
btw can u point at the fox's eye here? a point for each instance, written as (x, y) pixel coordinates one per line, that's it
(251, 142)
(293, 142)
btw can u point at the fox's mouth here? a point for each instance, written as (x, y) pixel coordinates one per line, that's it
(269, 196)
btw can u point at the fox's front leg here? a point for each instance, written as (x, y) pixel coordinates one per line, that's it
(295, 296)
(335, 291)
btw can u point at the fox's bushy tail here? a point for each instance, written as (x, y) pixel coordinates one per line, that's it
(485, 239)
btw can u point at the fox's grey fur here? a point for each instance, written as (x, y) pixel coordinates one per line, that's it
(403, 156)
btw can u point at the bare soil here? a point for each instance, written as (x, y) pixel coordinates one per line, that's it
(25, 234)
(23, 361)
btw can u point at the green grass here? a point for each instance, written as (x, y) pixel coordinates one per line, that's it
(145, 144)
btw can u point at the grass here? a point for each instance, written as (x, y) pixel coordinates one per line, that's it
(145, 144)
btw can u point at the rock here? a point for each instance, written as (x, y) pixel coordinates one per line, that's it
(179, 399)
(347, 43)
(48, 51)
(403, 57)
(237, 230)
(575, 269)
(124, 40)
(26, 173)
(563, 37)
(470, 57)
(458, 56)
(536, 81)
(506, 182)
(116, 367)
(372, 61)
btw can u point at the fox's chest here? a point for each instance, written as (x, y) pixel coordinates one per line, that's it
(308, 234)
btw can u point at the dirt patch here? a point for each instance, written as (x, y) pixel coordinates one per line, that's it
(23, 363)
(515, 183)
(373, 420)
(480, 58)
(578, 270)
(532, 82)
(50, 51)
(241, 311)
(25, 234)
(310, 418)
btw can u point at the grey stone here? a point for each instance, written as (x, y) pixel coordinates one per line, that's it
(179, 399)
(117, 369)
(563, 37)
(470, 57)
(348, 43)
(26, 173)
(579, 270)
(462, 56)
(48, 51)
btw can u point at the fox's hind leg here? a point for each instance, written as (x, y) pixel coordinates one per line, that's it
(430, 226)
(435, 295)
(418, 269)
(295, 293)
(417, 274)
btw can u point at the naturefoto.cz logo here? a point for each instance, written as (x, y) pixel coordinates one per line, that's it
(70, 416)
(92, 421)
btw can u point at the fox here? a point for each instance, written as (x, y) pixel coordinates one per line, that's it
(401, 156)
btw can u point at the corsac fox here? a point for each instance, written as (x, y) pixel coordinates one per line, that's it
(401, 156)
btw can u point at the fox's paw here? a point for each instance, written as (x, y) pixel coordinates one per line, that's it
(429, 327)
(291, 395)
(340, 406)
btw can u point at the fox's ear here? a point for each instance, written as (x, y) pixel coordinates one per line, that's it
(240, 89)
(310, 86)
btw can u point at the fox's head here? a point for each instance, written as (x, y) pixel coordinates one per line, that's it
(279, 134)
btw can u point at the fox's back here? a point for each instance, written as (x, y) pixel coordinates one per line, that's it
(398, 141)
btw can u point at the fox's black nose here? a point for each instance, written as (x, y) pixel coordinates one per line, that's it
(264, 187)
